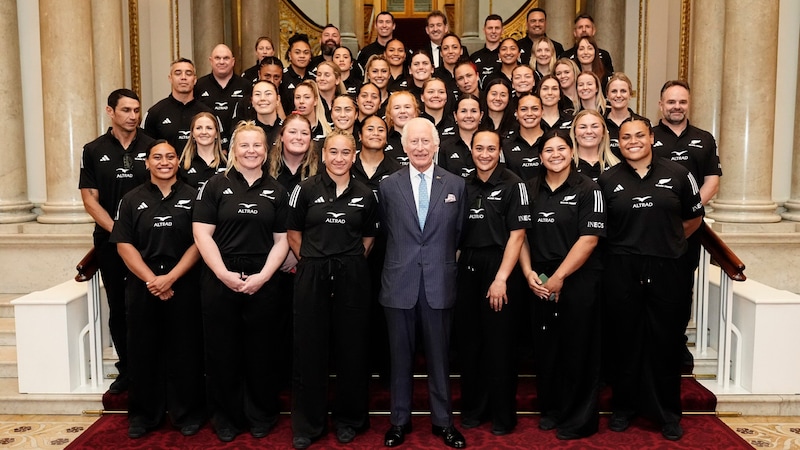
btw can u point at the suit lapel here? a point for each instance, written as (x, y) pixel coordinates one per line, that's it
(437, 190)
(406, 190)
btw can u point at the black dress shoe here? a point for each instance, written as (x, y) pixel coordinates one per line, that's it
(498, 431)
(396, 435)
(468, 422)
(451, 436)
(119, 385)
(136, 431)
(619, 423)
(191, 429)
(672, 431)
(547, 423)
(226, 434)
(566, 435)
(301, 442)
(262, 429)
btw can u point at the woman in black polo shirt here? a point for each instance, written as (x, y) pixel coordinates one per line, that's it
(165, 338)
(239, 228)
(490, 288)
(331, 228)
(568, 219)
(202, 156)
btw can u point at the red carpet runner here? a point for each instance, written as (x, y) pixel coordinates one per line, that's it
(701, 431)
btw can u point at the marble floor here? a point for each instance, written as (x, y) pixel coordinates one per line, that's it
(56, 432)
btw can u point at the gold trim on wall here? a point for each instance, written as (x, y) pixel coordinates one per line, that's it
(641, 70)
(292, 21)
(133, 29)
(517, 25)
(683, 58)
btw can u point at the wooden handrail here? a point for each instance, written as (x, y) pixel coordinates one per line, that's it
(721, 254)
(87, 267)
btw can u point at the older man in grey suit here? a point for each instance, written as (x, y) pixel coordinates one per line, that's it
(423, 209)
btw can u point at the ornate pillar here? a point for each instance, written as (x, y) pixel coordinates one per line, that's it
(560, 20)
(747, 124)
(347, 25)
(705, 63)
(254, 18)
(14, 204)
(70, 117)
(793, 204)
(208, 23)
(609, 19)
(470, 35)
(107, 46)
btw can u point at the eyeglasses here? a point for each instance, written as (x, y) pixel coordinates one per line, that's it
(127, 161)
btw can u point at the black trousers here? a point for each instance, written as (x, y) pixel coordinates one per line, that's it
(484, 339)
(331, 324)
(567, 351)
(113, 273)
(165, 347)
(242, 347)
(646, 313)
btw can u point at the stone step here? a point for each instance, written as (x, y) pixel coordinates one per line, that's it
(8, 361)
(6, 309)
(8, 335)
(12, 402)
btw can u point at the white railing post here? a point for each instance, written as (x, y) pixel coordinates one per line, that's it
(95, 333)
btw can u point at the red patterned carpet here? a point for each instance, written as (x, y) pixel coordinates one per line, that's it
(702, 432)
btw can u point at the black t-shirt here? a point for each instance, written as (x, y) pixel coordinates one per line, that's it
(331, 225)
(103, 167)
(488, 63)
(199, 172)
(694, 149)
(645, 215)
(522, 158)
(172, 120)
(496, 207)
(159, 227)
(561, 217)
(229, 104)
(245, 216)
(394, 148)
(455, 156)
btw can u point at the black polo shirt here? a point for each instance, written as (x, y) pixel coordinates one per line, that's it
(522, 158)
(613, 132)
(446, 127)
(487, 61)
(590, 170)
(172, 120)
(496, 207)
(645, 215)
(287, 179)
(374, 48)
(245, 216)
(251, 74)
(353, 82)
(229, 103)
(394, 148)
(103, 168)
(694, 149)
(455, 156)
(525, 45)
(289, 82)
(398, 84)
(560, 217)
(198, 173)
(332, 226)
(449, 84)
(564, 122)
(271, 130)
(159, 227)
(386, 167)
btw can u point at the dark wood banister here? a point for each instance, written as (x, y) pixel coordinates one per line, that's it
(721, 254)
(87, 267)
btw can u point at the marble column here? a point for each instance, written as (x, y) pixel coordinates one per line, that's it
(14, 204)
(209, 30)
(255, 16)
(560, 20)
(108, 64)
(347, 25)
(470, 36)
(793, 204)
(70, 117)
(609, 20)
(748, 113)
(705, 63)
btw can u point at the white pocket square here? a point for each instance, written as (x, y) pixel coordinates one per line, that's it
(450, 198)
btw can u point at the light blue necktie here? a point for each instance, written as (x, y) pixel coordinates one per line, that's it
(422, 213)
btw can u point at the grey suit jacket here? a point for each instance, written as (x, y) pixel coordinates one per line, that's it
(411, 251)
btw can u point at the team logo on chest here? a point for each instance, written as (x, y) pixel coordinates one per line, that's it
(697, 143)
(267, 193)
(124, 173)
(335, 217)
(476, 213)
(531, 162)
(162, 221)
(642, 202)
(546, 217)
(184, 135)
(680, 155)
(247, 208)
(569, 200)
(184, 204)
(495, 195)
(355, 202)
(220, 106)
(663, 183)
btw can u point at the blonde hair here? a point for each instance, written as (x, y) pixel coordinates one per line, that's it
(310, 160)
(606, 158)
(249, 125)
(190, 149)
(536, 42)
(392, 100)
(337, 72)
(599, 98)
(319, 109)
